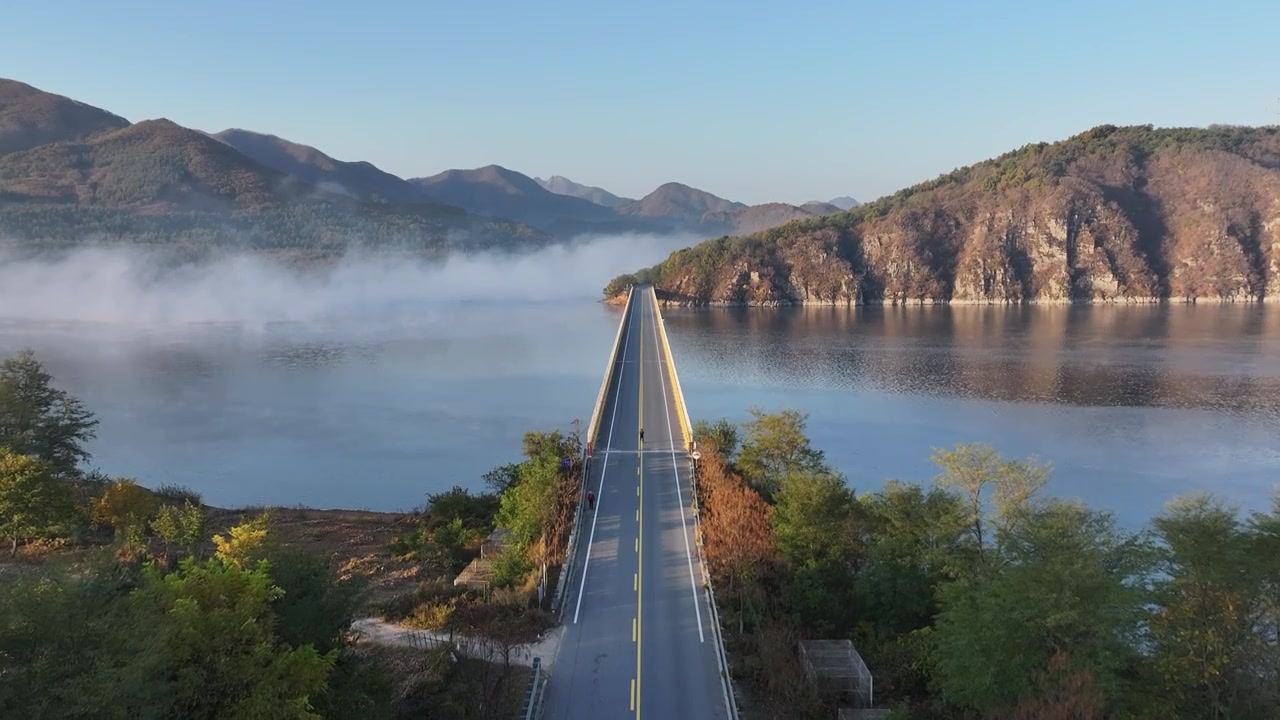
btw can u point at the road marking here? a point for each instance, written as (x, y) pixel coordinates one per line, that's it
(633, 694)
(640, 531)
(633, 629)
(626, 341)
(637, 515)
(635, 581)
(693, 585)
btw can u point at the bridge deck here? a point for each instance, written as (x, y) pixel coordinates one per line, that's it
(638, 641)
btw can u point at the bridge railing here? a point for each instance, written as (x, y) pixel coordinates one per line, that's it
(686, 428)
(682, 412)
(593, 429)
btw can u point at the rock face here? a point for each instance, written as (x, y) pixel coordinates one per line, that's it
(1112, 215)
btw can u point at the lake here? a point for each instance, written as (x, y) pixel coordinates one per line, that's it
(1131, 405)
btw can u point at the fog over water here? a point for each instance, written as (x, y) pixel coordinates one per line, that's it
(380, 379)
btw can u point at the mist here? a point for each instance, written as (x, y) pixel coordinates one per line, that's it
(126, 286)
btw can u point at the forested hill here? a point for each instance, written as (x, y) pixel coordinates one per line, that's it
(1113, 214)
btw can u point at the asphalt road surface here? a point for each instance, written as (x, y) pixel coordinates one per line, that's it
(638, 641)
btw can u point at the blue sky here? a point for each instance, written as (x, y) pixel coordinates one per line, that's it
(754, 101)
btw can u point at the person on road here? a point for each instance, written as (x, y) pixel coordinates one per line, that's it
(641, 434)
(591, 499)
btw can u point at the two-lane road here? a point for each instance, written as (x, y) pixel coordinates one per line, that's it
(637, 641)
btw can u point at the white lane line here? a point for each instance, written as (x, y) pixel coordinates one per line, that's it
(626, 342)
(675, 466)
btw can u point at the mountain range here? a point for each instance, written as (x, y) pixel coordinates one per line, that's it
(68, 169)
(1115, 214)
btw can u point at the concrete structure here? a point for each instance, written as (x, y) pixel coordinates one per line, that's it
(641, 635)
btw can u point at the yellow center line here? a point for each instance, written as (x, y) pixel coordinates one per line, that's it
(639, 582)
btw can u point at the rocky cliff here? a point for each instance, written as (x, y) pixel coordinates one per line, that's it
(1131, 214)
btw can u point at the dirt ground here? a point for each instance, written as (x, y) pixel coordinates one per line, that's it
(355, 541)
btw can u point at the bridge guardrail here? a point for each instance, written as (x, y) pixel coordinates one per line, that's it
(557, 600)
(683, 413)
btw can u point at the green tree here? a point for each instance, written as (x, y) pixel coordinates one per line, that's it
(1210, 610)
(775, 445)
(526, 508)
(181, 527)
(977, 473)
(211, 650)
(1069, 581)
(32, 502)
(126, 507)
(40, 420)
(917, 541)
(722, 433)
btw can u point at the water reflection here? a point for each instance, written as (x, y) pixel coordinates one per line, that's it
(1209, 357)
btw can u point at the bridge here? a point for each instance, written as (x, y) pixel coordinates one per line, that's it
(641, 630)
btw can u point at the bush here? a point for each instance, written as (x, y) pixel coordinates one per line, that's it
(177, 494)
(126, 507)
(511, 567)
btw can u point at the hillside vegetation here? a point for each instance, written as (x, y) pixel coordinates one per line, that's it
(1127, 214)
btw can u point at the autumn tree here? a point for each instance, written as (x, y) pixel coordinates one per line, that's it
(40, 420)
(32, 501)
(244, 544)
(737, 535)
(126, 507)
(1062, 692)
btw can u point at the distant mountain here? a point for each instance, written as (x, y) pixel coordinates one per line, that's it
(69, 170)
(361, 180)
(844, 202)
(564, 186)
(821, 208)
(679, 202)
(155, 163)
(753, 219)
(72, 173)
(496, 191)
(30, 117)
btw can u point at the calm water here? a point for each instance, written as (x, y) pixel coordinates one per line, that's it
(1131, 405)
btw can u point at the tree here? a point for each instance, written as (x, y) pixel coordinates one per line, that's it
(1069, 581)
(40, 420)
(181, 527)
(126, 507)
(1210, 610)
(973, 469)
(244, 544)
(775, 445)
(32, 501)
(722, 434)
(917, 542)
(737, 535)
(212, 651)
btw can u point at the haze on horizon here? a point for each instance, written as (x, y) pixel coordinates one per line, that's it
(748, 100)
